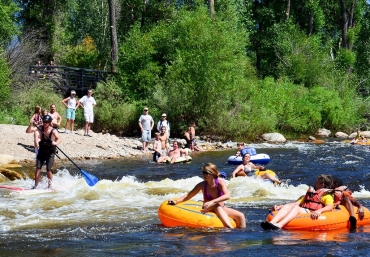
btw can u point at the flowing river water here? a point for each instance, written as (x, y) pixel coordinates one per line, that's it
(118, 216)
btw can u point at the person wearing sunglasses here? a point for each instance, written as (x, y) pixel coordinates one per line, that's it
(215, 193)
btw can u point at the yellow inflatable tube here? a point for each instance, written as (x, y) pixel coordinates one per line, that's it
(188, 214)
(335, 219)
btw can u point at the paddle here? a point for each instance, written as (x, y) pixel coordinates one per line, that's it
(91, 180)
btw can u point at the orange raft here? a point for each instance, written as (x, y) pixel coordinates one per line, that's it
(335, 219)
(188, 214)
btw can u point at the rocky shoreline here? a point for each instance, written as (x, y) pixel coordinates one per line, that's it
(16, 146)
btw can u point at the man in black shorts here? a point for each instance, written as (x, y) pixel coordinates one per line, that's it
(49, 139)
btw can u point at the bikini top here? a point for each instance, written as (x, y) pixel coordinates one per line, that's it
(206, 196)
(249, 171)
(37, 119)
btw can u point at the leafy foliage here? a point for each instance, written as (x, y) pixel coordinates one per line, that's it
(7, 21)
(83, 55)
(4, 81)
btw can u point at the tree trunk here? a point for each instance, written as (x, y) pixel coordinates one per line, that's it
(287, 12)
(212, 8)
(310, 24)
(344, 23)
(143, 13)
(113, 36)
(351, 22)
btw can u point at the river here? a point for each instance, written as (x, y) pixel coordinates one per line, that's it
(118, 216)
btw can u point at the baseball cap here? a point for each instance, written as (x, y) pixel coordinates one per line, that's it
(145, 109)
(164, 115)
(73, 92)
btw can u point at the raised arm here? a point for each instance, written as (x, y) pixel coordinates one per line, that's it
(31, 128)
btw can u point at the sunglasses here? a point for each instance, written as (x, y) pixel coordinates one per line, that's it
(206, 173)
(240, 144)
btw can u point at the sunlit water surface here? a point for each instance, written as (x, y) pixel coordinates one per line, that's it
(119, 217)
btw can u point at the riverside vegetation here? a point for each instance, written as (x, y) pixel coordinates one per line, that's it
(250, 68)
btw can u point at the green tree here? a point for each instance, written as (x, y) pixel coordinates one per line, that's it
(83, 55)
(7, 21)
(5, 82)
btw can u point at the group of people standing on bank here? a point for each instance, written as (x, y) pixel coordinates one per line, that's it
(44, 126)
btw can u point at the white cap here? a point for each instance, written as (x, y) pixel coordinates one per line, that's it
(73, 92)
(164, 115)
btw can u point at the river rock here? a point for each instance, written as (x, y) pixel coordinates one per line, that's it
(341, 135)
(274, 138)
(322, 132)
(365, 133)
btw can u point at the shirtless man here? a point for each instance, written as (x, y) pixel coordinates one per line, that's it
(164, 139)
(175, 153)
(57, 119)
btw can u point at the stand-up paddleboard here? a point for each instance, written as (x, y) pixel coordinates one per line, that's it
(5, 188)
(13, 188)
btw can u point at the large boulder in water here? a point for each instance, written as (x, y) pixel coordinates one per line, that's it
(274, 137)
(323, 132)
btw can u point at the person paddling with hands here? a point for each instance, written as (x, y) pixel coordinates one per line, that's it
(49, 139)
(215, 193)
(247, 168)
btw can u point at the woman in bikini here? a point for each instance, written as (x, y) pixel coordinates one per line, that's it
(215, 193)
(247, 168)
(36, 119)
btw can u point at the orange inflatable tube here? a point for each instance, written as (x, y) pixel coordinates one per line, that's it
(335, 219)
(188, 214)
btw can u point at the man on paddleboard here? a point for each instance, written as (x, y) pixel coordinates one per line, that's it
(49, 139)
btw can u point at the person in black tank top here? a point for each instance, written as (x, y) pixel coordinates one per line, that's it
(49, 140)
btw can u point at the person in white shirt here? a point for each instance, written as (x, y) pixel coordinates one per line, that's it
(164, 123)
(88, 102)
(72, 104)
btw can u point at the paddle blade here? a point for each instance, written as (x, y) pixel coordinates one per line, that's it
(91, 180)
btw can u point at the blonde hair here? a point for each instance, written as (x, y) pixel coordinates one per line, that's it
(211, 169)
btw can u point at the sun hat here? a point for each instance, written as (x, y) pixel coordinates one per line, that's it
(146, 109)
